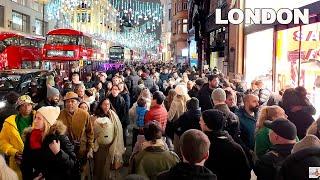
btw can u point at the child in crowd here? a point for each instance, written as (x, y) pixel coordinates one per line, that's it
(141, 111)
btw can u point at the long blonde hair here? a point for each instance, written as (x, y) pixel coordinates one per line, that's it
(268, 113)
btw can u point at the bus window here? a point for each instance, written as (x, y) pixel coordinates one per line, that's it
(34, 43)
(25, 42)
(62, 40)
(14, 41)
(2, 46)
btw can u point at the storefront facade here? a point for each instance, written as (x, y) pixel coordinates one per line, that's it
(286, 56)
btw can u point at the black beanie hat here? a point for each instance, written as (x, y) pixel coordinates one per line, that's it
(214, 119)
(193, 104)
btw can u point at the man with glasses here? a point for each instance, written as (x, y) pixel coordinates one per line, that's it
(11, 143)
(80, 130)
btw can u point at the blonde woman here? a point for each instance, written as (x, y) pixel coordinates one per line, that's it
(48, 153)
(263, 143)
(177, 108)
(179, 103)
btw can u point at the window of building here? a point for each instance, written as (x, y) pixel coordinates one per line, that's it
(185, 26)
(175, 8)
(39, 26)
(36, 6)
(169, 14)
(185, 6)
(20, 22)
(22, 2)
(179, 26)
(1, 16)
(179, 6)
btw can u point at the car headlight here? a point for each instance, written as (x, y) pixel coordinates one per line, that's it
(2, 104)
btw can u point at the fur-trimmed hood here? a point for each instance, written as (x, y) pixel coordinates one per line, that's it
(58, 128)
(25, 133)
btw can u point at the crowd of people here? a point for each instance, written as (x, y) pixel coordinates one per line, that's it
(184, 125)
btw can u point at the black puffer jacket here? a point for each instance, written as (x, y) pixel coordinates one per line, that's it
(188, 120)
(204, 96)
(63, 165)
(226, 158)
(187, 172)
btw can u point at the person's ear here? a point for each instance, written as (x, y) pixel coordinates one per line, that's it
(206, 156)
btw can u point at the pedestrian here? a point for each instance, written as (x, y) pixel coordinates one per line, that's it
(88, 83)
(248, 118)
(9, 108)
(141, 111)
(262, 141)
(230, 101)
(225, 155)
(283, 137)
(204, 94)
(297, 110)
(120, 106)
(80, 131)
(11, 143)
(153, 158)
(219, 98)
(109, 145)
(195, 151)
(304, 154)
(157, 110)
(190, 119)
(167, 102)
(52, 98)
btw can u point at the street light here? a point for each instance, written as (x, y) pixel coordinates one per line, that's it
(43, 2)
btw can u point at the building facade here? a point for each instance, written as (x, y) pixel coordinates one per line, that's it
(23, 16)
(166, 30)
(179, 26)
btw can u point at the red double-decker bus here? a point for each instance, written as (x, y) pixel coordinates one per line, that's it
(20, 51)
(67, 49)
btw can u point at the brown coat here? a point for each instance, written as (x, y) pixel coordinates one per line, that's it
(79, 129)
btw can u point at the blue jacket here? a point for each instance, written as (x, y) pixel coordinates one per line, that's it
(141, 112)
(247, 127)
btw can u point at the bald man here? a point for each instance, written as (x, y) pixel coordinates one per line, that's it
(248, 118)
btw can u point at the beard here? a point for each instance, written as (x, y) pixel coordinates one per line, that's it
(54, 102)
(254, 109)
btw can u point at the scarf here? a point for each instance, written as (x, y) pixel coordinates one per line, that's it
(36, 139)
(117, 148)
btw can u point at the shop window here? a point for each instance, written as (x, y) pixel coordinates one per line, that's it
(20, 22)
(259, 61)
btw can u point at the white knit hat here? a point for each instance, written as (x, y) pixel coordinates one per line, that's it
(181, 89)
(50, 113)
